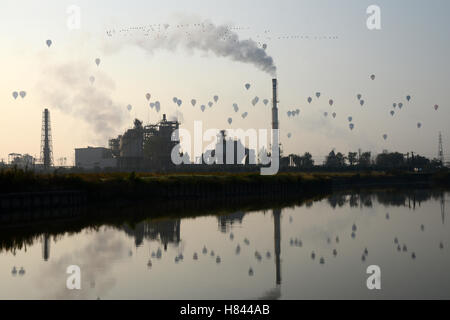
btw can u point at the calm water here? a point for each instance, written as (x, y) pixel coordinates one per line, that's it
(155, 259)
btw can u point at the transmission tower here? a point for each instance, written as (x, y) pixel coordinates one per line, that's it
(441, 150)
(46, 140)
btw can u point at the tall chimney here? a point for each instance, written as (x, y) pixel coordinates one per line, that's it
(275, 107)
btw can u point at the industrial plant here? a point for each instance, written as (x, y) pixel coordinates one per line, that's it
(149, 148)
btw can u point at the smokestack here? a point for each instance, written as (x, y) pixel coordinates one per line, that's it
(275, 107)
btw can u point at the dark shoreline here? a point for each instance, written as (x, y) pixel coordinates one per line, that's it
(53, 191)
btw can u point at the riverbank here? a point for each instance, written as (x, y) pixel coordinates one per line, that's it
(27, 190)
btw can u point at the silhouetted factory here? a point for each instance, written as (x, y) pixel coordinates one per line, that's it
(149, 148)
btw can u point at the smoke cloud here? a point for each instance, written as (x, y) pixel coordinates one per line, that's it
(206, 37)
(68, 88)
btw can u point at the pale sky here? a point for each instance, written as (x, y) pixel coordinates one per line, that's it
(409, 56)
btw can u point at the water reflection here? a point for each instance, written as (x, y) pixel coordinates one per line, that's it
(229, 256)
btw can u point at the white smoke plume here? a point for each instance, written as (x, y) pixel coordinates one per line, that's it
(202, 36)
(67, 87)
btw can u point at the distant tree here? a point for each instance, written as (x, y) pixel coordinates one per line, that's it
(304, 162)
(335, 160)
(420, 162)
(352, 158)
(365, 159)
(390, 160)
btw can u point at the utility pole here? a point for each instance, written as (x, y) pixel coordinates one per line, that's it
(440, 150)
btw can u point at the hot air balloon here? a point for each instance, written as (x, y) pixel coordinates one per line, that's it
(359, 96)
(15, 94)
(216, 98)
(361, 102)
(210, 104)
(97, 61)
(179, 102)
(244, 115)
(318, 95)
(385, 136)
(400, 105)
(148, 96)
(49, 43)
(152, 105)
(193, 102)
(202, 107)
(265, 101)
(334, 114)
(372, 77)
(408, 98)
(351, 126)
(230, 120)
(289, 135)
(325, 114)
(255, 101)
(331, 102)
(394, 105)
(297, 111)
(264, 46)
(247, 86)
(129, 107)
(22, 94)
(436, 107)
(350, 119)
(175, 99)
(419, 125)
(392, 113)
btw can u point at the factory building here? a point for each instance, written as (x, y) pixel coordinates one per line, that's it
(21, 161)
(145, 147)
(94, 158)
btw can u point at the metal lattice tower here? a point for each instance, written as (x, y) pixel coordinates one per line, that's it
(46, 140)
(441, 149)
